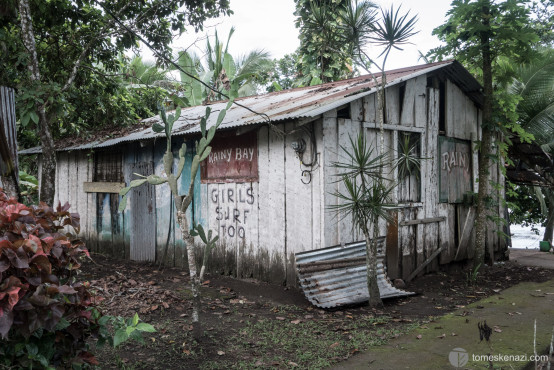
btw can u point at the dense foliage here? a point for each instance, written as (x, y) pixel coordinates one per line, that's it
(222, 74)
(284, 74)
(62, 54)
(44, 313)
(480, 34)
(66, 30)
(323, 54)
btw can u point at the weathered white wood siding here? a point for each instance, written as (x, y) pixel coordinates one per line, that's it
(73, 169)
(263, 223)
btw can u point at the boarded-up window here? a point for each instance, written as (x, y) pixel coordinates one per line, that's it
(232, 159)
(108, 167)
(455, 169)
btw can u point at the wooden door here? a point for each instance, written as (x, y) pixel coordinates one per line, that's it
(143, 217)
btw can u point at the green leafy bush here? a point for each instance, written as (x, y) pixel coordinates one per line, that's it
(45, 315)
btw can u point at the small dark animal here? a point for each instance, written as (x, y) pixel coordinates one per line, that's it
(485, 331)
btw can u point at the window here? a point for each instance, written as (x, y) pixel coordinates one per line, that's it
(408, 166)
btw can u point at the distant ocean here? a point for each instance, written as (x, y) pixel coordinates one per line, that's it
(524, 238)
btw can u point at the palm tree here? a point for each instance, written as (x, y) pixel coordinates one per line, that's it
(233, 77)
(534, 84)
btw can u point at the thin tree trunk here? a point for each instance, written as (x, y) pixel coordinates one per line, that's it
(549, 230)
(371, 265)
(194, 278)
(48, 177)
(486, 144)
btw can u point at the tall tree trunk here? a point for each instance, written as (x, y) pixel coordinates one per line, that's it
(486, 144)
(371, 265)
(48, 176)
(549, 230)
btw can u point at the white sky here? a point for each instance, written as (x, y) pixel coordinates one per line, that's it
(269, 25)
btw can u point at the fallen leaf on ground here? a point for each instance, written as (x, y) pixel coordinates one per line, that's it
(295, 322)
(154, 307)
(334, 345)
(442, 336)
(454, 334)
(419, 336)
(280, 318)
(497, 329)
(220, 353)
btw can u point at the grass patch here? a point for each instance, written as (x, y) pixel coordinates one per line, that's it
(309, 344)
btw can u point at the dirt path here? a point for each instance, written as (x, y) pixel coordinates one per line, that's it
(250, 324)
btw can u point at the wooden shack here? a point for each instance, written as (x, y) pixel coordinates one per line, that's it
(268, 183)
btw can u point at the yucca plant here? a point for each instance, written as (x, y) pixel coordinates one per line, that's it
(363, 28)
(367, 198)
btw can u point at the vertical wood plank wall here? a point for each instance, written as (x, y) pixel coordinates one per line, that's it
(263, 224)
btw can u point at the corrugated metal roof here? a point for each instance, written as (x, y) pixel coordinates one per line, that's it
(337, 276)
(304, 102)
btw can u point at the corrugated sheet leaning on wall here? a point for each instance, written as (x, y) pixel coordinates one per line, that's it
(336, 276)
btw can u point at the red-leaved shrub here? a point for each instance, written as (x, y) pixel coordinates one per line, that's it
(45, 314)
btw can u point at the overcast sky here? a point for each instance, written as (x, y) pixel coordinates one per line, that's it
(269, 25)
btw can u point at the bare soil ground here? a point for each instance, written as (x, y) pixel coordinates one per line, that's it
(249, 324)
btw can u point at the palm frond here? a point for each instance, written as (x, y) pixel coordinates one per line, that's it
(393, 29)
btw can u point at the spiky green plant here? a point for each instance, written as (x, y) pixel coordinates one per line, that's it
(367, 198)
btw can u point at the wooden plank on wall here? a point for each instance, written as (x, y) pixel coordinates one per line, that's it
(347, 130)
(143, 218)
(102, 187)
(447, 232)
(420, 104)
(298, 203)
(104, 224)
(73, 178)
(91, 232)
(393, 254)
(392, 105)
(82, 203)
(63, 179)
(318, 208)
(277, 245)
(164, 209)
(265, 212)
(370, 108)
(357, 110)
(449, 109)
(330, 151)
(407, 116)
(245, 223)
(430, 180)
(407, 236)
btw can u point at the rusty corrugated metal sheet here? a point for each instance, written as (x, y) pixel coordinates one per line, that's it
(336, 276)
(304, 102)
(8, 133)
